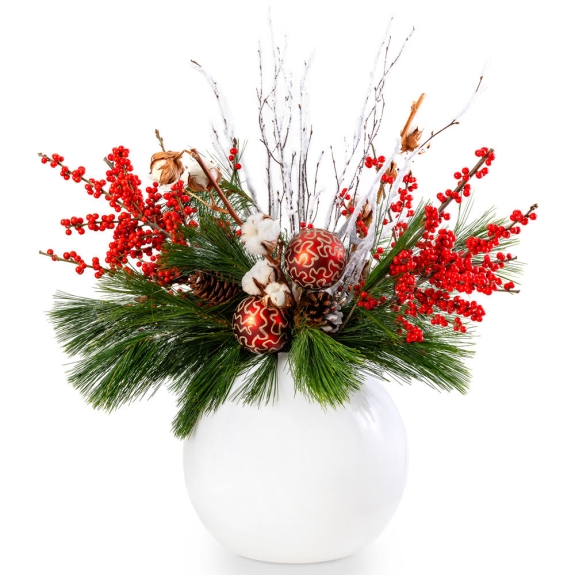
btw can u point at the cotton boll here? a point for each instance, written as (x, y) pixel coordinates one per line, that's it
(166, 167)
(278, 295)
(156, 170)
(261, 274)
(197, 179)
(260, 234)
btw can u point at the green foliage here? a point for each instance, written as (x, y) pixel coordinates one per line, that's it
(140, 335)
(437, 361)
(209, 386)
(128, 348)
(260, 386)
(323, 368)
(406, 241)
(213, 246)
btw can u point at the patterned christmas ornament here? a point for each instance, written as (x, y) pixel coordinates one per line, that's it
(315, 259)
(259, 328)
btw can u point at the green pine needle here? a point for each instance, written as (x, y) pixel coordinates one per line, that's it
(324, 369)
(212, 247)
(210, 386)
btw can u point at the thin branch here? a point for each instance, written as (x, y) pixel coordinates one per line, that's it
(161, 140)
(216, 186)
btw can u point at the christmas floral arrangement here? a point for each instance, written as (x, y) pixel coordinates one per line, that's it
(206, 280)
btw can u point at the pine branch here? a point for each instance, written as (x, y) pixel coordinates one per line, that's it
(260, 385)
(438, 361)
(213, 246)
(323, 369)
(128, 348)
(406, 241)
(210, 386)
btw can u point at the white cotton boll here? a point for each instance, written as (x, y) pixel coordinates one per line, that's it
(156, 172)
(278, 295)
(261, 273)
(260, 234)
(197, 179)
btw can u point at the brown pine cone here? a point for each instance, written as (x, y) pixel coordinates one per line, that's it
(322, 309)
(212, 288)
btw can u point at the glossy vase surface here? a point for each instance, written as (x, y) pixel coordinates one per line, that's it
(291, 482)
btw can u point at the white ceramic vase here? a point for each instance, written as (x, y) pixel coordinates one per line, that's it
(290, 482)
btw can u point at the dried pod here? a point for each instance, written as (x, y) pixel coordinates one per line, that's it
(410, 142)
(166, 167)
(198, 181)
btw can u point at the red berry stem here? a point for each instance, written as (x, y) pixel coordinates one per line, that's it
(103, 191)
(461, 184)
(70, 260)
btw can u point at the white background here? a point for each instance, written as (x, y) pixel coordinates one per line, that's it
(491, 484)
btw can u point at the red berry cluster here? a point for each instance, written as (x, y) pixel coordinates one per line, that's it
(366, 300)
(76, 175)
(344, 196)
(413, 332)
(305, 225)
(141, 225)
(74, 258)
(378, 252)
(376, 163)
(463, 176)
(450, 271)
(405, 196)
(54, 162)
(361, 228)
(232, 158)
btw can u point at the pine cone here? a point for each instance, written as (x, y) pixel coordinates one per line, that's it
(212, 288)
(322, 309)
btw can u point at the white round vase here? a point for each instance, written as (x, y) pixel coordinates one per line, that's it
(290, 482)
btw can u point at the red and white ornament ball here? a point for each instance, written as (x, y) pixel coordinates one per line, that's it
(259, 328)
(315, 259)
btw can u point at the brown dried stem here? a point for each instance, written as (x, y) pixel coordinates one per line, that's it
(414, 108)
(161, 140)
(216, 186)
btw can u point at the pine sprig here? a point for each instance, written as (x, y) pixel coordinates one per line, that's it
(213, 246)
(128, 348)
(406, 241)
(438, 361)
(210, 386)
(323, 369)
(260, 385)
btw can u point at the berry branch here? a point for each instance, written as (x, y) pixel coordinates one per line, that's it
(91, 183)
